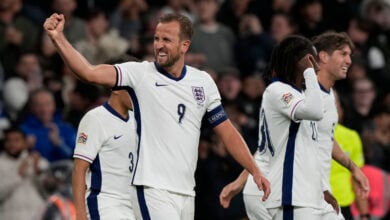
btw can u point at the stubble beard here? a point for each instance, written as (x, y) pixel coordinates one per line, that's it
(169, 62)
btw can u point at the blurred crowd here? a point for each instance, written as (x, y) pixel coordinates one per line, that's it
(233, 40)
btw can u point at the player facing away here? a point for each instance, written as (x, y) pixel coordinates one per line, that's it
(105, 139)
(169, 100)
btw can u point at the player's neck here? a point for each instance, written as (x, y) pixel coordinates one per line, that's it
(176, 69)
(119, 107)
(325, 80)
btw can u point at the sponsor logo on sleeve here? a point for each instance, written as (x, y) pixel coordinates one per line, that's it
(82, 139)
(287, 97)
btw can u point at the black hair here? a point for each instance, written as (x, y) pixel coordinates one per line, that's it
(285, 56)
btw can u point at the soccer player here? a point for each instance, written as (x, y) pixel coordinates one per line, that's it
(286, 151)
(169, 100)
(104, 159)
(334, 53)
(334, 50)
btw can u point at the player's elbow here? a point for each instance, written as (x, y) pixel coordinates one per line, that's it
(317, 115)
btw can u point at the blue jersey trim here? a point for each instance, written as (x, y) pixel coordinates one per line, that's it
(165, 73)
(137, 117)
(96, 186)
(288, 166)
(115, 113)
(323, 88)
(216, 116)
(288, 212)
(142, 203)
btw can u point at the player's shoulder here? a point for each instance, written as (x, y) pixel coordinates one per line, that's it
(278, 88)
(194, 72)
(137, 65)
(94, 113)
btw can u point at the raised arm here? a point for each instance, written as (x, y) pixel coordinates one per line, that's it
(237, 147)
(97, 74)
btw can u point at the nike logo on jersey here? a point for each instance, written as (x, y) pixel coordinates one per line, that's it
(158, 85)
(116, 137)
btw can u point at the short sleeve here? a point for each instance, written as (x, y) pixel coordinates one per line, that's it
(284, 99)
(130, 73)
(89, 140)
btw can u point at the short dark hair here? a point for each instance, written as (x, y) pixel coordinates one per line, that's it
(185, 23)
(286, 55)
(330, 41)
(14, 129)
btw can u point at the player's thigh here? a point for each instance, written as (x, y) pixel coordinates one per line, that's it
(291, 212)
(113, 209)
(188, 207)
(255, 208)
(116, 213)
(156, 204)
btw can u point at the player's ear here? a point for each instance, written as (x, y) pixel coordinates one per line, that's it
(185, 45)
(323, 56)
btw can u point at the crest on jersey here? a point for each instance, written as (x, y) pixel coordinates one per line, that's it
(198, 93)
(82, 139)
(287, 97)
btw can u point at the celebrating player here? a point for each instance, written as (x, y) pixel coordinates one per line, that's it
(169, 100)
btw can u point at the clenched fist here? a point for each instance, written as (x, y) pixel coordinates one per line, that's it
(54, 25)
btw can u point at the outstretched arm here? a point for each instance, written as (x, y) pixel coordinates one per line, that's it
(98, 74)
(361, 182)
(237, 147)
(232, 189)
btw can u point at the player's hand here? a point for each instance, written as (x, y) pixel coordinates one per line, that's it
(360, 183)
(228, 192)
(54, 25)
(263, 185)
(329, 198)
(308, 61)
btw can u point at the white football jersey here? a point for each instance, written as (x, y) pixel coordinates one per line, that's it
(105, 139)
(169, 113)
(325, 135)
(293, 169)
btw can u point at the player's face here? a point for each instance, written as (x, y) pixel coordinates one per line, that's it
(339, 62)
(168, 48)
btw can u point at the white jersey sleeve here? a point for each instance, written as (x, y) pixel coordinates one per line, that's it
(285, 99)
(130, 73)
(311, 107)
(90, 136)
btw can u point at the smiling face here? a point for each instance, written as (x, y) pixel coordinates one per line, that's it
(168, 47)
(337, 63)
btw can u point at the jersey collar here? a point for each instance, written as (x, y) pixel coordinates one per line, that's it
(115, 113)
(323, 88)
(165, 73)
